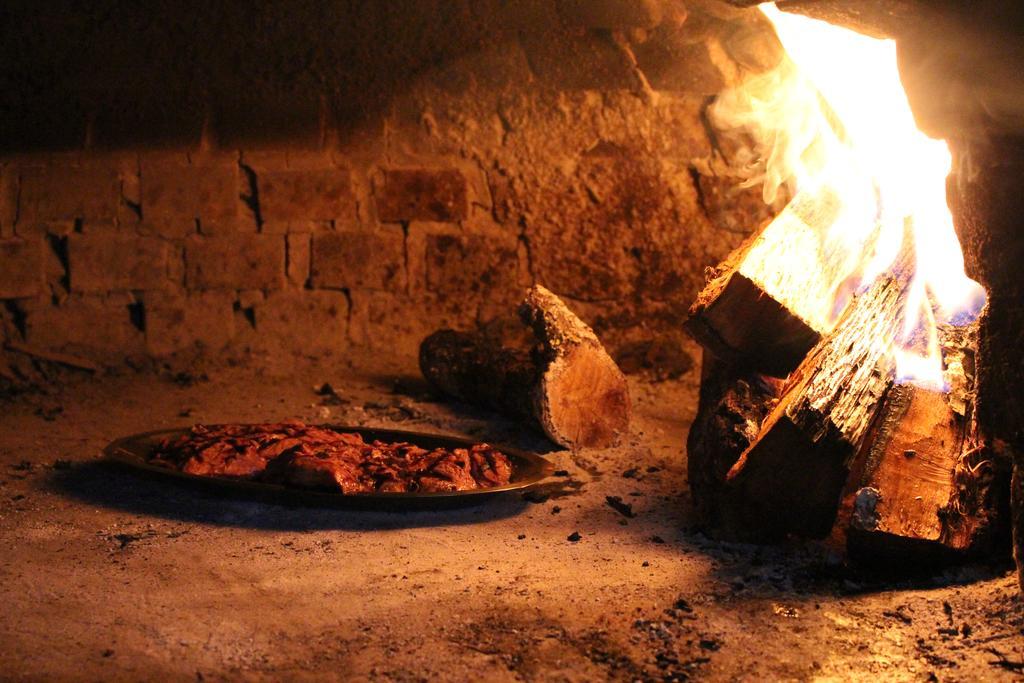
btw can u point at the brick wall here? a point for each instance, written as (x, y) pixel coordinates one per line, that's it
(565, 144)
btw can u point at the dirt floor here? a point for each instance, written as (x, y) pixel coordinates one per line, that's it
(109, 575)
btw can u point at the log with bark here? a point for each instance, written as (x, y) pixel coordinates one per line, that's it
(926, 487)
(772, 299)
(566, 383)
(792, 475)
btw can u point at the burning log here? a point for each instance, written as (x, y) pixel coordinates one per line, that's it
(567, 384)
(768, 304)
(793, 473)
(732, 406)
(927, 487)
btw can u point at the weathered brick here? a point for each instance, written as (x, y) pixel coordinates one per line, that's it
(472, 264)
(421, 195)
(174, 191)
(36, 229)
(298, 258)
(313, 321)
(247, 298)
(304, 194)
(106, 262)
(8, 199)
(672, 63)
(578, 59)
(65, 191)
(391, 323)
(243, 261)
(291, 227)
(170, 228)
(612, 14)
(200, 320)
(359, 259)
(21, 268)
(96, 327)
(732, 207)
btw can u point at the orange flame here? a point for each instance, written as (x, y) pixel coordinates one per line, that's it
(835, 116)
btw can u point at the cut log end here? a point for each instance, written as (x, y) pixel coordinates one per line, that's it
(567, 384)
(584, 399)
(741, 324)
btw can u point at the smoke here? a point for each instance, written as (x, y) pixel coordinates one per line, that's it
(783, 128)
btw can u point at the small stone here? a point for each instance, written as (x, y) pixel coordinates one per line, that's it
(682, 605)
(574, 537)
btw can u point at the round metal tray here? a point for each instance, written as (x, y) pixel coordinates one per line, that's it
(528, 469)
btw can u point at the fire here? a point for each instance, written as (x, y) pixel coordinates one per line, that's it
(833, 120)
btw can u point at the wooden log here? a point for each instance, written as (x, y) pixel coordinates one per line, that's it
(473, 369)
(732, 405)
(926, 486)
(793, 473)
(567, 384)
(772, 299)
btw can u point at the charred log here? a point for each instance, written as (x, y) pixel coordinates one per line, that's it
(732, 406)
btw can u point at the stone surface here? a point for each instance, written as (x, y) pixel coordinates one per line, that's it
(21, 268)
(8, 199)
(305, 195)
(202, 321)
(93, 326)
(69, 190)
(511, 143)
(175, 190)
(359, 259)
(299, 247)
(106, 262)
(470, 265)
(578, 59)
(421, 195)
(671, 62)
(612, 14)
(145, 578)
(235, 262)
(309, 323)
